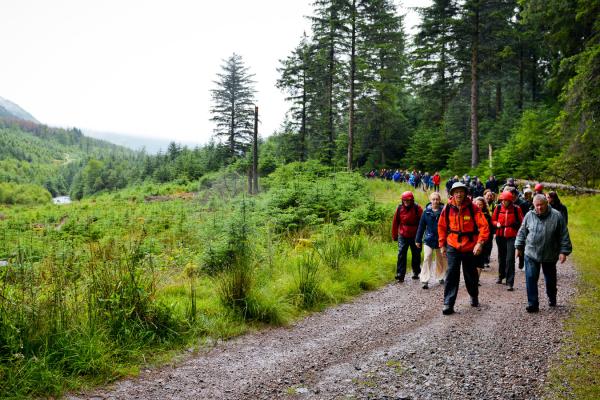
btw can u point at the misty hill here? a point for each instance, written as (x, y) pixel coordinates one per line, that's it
(150, 145)
(32, 153)
(8, 109)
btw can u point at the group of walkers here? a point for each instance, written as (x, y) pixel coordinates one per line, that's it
(416, 179)
(529, 224)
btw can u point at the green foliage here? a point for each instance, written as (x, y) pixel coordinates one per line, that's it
(307, 280)
(530, 151)
(574, 375)
(12, 193)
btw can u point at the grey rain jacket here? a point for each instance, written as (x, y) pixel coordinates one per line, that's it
(544, 237)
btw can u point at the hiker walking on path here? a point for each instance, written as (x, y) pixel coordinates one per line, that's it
(555, 203)
(487, 246)
(436, 179)
(462, 231)
(543, 239)
(404, 230)
(492, 184)
(428, 228)
(507, 219)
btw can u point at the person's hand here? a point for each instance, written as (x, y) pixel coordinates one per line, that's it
(477, 249)
(418, 245)
(519, 253)
(443, 250)
(562, 258)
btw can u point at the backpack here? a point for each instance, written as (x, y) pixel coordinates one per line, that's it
(415, 207)
(459, 233)
(516, 224)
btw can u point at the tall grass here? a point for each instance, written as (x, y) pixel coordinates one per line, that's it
(96, 288)
(576, 374)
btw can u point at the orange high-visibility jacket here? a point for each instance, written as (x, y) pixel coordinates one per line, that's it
(462, 227)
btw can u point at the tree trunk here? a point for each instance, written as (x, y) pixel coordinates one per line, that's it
(303, 122)
(498, 99)
(533, 77)
(330, 102)
(232, 131)
(352, 78)
(475, 94)
(521, 77)
(255, 153)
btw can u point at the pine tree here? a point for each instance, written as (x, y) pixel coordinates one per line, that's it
(434, 61)
(381, 65)
(297, 81)
(233, 111)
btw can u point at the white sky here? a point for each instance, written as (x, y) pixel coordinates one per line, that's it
(144, 67)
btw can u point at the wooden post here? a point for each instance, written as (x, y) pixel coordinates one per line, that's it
(255, 152)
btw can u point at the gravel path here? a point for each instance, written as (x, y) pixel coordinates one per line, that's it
(390, 344)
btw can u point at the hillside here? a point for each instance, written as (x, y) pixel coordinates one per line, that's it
(8, 109)
(32, 153)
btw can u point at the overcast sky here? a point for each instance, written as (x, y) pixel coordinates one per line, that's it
(144, 67)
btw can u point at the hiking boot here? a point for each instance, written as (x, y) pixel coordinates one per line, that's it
(399, 278)
(552, 303)
(415, 276)
(474, 302)
(499, 281)
(532, 309)
(441, 281)
(510, 289)
(448, 309)
(426, 285)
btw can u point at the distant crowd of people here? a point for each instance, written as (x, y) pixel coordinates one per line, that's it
(529, 224)
(416, 179)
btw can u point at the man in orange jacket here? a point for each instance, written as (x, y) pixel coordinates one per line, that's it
(462, 231)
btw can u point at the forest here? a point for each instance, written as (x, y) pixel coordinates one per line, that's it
(173, 250)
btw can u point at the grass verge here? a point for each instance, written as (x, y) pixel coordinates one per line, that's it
(576, 372)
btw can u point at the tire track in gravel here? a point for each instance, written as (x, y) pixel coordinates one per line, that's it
(392, 343)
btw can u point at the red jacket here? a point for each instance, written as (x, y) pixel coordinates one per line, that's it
(406, 221)
(510, 220)
(436, 179)
(462, 227)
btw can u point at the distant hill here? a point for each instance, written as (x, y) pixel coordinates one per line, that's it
(8, 109)
(151, 145)
(33, 153)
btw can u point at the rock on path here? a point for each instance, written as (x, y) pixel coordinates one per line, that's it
(393, 343)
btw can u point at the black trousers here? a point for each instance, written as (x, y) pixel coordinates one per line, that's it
(403, 245)
(506, 259)
(469, 267)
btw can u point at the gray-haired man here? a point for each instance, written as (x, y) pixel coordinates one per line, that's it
(544, 239)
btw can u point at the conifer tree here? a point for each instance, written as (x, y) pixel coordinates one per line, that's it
(434, 60)
(233, 109)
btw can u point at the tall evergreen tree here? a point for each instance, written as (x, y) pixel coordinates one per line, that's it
(329, 28)
(233, 110)
(434, 59)
(381, 65)
(297, 81)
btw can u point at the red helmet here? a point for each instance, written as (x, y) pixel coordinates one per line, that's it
(506, 196)
(408, 196)
(539, 187)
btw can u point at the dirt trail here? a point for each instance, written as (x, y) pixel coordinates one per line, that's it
(390, 344)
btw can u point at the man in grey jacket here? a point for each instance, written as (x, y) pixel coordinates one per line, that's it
(544, 239)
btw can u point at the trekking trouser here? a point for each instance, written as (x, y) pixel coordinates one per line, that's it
(532, 275)
(428, 264)
(415, 252)
(455, 259)
(506, 259)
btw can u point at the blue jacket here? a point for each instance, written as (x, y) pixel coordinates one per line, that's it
(428, 226)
